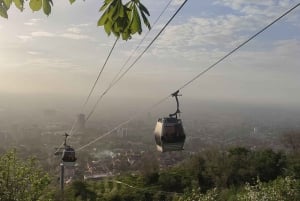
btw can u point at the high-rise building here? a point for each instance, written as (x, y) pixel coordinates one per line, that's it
(81, 122)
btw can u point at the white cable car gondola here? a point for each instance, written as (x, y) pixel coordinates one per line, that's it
(169, 133)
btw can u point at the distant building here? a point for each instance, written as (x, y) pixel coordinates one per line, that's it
(80, 122)
(122, 132)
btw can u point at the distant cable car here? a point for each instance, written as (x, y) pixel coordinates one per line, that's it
(68, 155)
(169, 133)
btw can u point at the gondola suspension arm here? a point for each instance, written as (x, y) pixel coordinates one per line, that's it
(175, 94)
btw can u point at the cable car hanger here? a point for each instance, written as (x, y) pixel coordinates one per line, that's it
(65, 142)
(63, 146)
(175, 94)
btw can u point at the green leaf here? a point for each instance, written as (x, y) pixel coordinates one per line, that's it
(35, 5)
(104, 6)
(136, 25)
(117, 34)
(116, 13)
(7, 3)
(126, 36)
(143, 9)
(116, 28)
(123, 24)
(122, 11)
(113, 11)
(146, 22)
(128, 4)
(3, 12)
(103, 19)
(47, 7)
(107, 27)
(72, 1)
(19, 4)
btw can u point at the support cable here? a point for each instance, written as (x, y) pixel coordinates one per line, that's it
(136, 60)
(238, 47)
(122, 124)
(140, 43)
(193, 79)
(91, 91)
(114, 79)
(95, 83)
(144, 189)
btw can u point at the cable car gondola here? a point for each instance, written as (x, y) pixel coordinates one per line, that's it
(169, 133)
(68, 155)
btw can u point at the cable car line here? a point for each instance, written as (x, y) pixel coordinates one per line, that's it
(122, 124)
(96, 81)
(143, 189)
(140, 43)
(90, 93)
(137, 59)
(114, 81)
(238, 47)
(193, 79)
(92, 89)
(150, 44)
(104, 135)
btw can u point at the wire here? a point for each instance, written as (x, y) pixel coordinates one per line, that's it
(95, 83)
(140, 43)
(114, 81)
(122, 124)
(143, 189)
(113, 47)
(137, 59)
(193, 79)
(150, 44)
(91, 91)
(237, 48)
(126, 62)
(104, 135)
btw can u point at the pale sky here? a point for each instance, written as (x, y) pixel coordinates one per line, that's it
(62, 53)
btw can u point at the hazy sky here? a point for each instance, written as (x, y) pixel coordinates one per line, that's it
(62, 54)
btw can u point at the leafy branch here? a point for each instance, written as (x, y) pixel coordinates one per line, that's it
(123, 19)
(117, 18)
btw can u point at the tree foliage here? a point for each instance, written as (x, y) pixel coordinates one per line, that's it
(120, 19)
(284, 189)
(291, 140)
(21, 180)
(235, 174)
